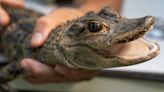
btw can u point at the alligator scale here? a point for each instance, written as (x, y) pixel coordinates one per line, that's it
(95, 41)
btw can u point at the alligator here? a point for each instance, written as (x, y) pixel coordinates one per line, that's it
(95, 41)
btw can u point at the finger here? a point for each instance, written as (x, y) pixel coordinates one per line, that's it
(37, 80)
(41, 80)
(75, 74)
(41, 73)
(35, 68)
(34, 80)
(15, 3)
(46, 23)
(44, 26)
(4, 18)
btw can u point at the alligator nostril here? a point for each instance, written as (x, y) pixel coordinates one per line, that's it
(149, 20)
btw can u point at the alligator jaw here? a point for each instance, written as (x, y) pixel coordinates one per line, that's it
(135, 33)
(134, 52)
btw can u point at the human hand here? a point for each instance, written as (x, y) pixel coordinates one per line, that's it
(4, 18)
(41, 73)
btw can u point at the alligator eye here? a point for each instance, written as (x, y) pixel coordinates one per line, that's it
(94, 26)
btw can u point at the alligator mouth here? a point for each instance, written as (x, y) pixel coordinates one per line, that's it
(131, 47)
(132, 52)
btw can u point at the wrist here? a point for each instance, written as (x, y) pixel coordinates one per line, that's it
(61, 15)
(68, 13)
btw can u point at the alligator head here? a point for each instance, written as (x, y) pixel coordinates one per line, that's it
(105, 39)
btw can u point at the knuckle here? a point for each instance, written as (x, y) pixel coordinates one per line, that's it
(72, 74)
(37, 72)
(75, 77)
(78, 77)
(42, 21)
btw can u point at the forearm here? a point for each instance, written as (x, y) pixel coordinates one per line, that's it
(85, 6)
(96, 5)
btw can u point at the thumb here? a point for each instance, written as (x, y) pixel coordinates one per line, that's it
(46, 23)
(43, 27)
(14, 3)
(4, 18)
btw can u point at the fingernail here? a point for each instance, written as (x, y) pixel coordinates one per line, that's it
(59, 69)
(37, 38)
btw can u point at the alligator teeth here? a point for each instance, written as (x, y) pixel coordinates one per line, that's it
(151, 28)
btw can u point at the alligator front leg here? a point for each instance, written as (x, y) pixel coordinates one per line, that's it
(8, 73)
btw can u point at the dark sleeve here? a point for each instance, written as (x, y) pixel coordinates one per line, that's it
(64, 2)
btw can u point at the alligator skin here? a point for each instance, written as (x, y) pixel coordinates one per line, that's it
(89, 42)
